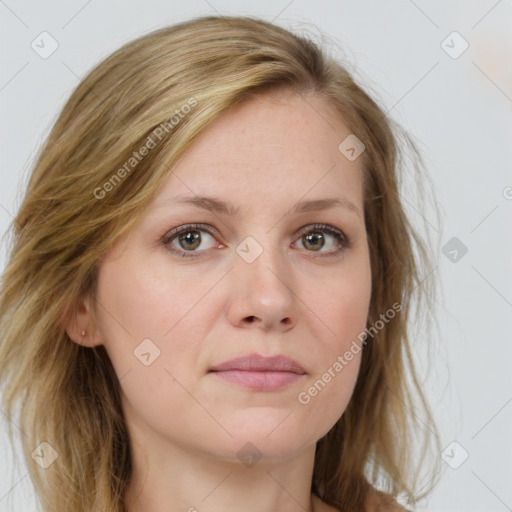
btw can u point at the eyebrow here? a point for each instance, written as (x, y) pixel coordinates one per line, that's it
(217, 205)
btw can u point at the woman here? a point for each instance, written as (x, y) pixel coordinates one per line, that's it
(206, 302)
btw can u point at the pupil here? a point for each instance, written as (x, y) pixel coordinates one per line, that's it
(191, 237)
(314, 239)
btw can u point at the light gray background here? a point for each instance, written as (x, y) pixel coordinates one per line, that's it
(460, 109)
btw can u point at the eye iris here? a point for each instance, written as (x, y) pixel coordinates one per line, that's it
(190, 237)
(313, 239)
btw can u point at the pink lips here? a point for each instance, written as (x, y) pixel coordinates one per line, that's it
(260, 373)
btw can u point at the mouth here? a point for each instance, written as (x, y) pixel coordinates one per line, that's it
(260, 373)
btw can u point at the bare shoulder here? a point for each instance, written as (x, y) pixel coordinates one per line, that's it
(377, 502)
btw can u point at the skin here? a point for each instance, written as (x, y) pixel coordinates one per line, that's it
(308, 302)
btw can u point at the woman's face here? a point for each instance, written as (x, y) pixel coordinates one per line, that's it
(257, 274)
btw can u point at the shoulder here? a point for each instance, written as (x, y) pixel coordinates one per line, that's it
(378, 501)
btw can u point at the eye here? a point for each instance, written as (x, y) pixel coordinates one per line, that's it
(314, 239)
(186, 239)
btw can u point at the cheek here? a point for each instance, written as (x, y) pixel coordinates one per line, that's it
(152, 321)
(139, 301)
(344, 304)
(150, 329)
(326, 394)
(343, 308)
(323, 401)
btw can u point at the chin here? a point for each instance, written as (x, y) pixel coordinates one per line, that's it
(265, 441)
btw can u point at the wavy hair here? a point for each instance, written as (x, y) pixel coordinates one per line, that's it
(68, 395)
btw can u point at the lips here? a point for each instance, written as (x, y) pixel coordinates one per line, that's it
(257, 363)
(260, 373)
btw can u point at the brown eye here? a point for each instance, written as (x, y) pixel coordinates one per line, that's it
(317, 237)
(314, 241)
(186, 240)
(189, 240)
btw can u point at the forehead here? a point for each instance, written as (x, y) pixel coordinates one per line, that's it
(279, 146)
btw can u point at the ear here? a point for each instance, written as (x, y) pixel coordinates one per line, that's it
(80, 319)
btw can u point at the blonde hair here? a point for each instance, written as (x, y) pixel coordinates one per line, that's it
(69, 395)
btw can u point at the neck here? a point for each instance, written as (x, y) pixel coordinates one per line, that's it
(176, 480)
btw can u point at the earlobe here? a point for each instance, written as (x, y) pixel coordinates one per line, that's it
(80, 325)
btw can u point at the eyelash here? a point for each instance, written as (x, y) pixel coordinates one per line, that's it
(341, 238)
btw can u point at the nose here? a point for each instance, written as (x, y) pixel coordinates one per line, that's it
(262, 294)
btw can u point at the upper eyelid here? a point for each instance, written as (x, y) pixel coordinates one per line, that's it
(192, 226)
